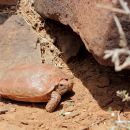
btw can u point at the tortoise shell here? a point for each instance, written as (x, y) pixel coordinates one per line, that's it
(30, 83)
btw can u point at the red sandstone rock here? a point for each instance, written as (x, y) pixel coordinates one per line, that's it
(8, 2)
(18, 45)
(94, 25)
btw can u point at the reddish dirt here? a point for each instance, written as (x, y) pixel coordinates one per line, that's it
(94, 94)
(89, 107)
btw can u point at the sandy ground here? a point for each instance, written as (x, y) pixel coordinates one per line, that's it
(89, 107)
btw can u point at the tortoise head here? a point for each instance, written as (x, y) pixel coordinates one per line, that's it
(64, 86)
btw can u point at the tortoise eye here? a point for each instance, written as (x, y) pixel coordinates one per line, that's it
(61, 85)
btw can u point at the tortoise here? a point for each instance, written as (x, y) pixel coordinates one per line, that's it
(35, 83)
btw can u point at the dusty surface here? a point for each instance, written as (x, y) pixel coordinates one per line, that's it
(89, 107)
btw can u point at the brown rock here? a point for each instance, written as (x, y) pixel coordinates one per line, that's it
(94, 25)
(17, 43)
(8, 2)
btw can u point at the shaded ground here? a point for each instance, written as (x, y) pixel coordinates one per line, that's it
(89, 107)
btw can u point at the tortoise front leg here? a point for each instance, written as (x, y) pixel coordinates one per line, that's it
(54, 101)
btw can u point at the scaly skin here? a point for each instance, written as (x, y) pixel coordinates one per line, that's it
(54, 101)
(62, 88)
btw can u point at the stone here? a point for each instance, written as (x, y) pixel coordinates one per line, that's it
(17, 43)
(8, 2)
(94, 25)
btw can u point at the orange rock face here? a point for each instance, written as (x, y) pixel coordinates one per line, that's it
(94, 24)
(8, 2)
